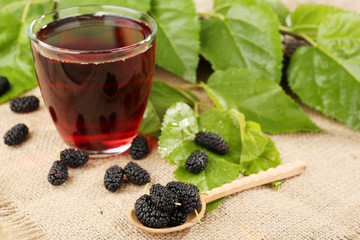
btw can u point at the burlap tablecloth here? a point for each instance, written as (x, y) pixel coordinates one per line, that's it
(322, 203)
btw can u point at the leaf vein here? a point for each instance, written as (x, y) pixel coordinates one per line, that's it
(250, 24)
(337, 62)
(161, 26)
(227, 27)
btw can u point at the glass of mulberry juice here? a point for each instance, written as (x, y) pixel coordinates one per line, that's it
(94, 66)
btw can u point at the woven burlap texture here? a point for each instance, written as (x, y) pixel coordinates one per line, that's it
(322, 203)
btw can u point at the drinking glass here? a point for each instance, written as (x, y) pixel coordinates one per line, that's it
(95, 65)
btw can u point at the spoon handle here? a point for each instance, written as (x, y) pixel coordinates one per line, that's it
(254, 180)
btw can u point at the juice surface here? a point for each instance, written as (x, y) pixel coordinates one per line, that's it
(90, 32)
(95, 106)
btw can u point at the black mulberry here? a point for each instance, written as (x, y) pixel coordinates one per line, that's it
(177, 217)
(24, 104)
(174, 185)
(139, 148)
(197, 161)
(212, 141)
(74, 158)
(163, 198)
(136, 174)
(4, 85)
(149, 215)
(113, 178)
(58, 173)
(16, 134)
(188, 195)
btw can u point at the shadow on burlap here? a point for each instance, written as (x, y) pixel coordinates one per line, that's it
(322, 203)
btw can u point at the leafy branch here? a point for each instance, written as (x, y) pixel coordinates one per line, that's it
(25, 12)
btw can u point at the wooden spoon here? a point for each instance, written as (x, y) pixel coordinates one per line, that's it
(268, 176)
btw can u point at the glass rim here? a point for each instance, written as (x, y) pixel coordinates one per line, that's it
(34, 38)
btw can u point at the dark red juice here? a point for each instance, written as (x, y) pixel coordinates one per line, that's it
(96, 101)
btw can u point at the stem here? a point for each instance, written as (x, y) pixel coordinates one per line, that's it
(194, 101)
(197, 216)
(307, 38)
(304, 26)
(23, 3)
(182, 92)
(210, 15)
(146, 187)
(184, 86)
(188, 133)
(285, 29)
(25, 12)
(188, 96)
(196, 108)
(290, 31)
(56, 15)
(55, 5)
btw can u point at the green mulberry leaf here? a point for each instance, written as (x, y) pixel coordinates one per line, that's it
(16, 62)
(151, 122)
(307, 17)
(340, 36)
(250, 150)
(245, 36)
(281, 11)
(178, 37)
(269, 158)
(277, 6)
(162, 96)
(178, 118)
(260, 99)
(225, 125)
(254, 142)
(214, 204)
(217, 173)
(258, 150)
(175, 145)
(327, 76)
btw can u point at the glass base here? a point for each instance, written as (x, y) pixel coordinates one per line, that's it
(109, 152)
